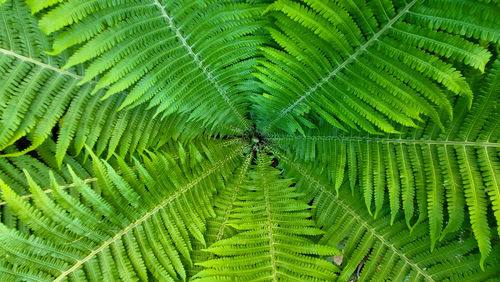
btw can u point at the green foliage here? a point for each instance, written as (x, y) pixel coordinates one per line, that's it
(274, 140)
(142, 220)
(40, 96)
(143, 49)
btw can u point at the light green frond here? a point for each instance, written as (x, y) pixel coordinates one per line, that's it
(271, 243)
(11, 172)
(218, 227)
(123, 233)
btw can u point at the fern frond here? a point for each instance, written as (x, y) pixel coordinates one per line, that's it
(379, 248)
(11, 172)
(318, 140)
(189, 56)
(120, 232)
(32, 83)
(37, 96)
(270, 244)
(369, 65)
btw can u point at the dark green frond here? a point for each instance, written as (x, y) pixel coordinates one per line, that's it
(369, 65)
(37, 96)
(178, 56)
(421, 171)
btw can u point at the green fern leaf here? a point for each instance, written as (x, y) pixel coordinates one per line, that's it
(448, 165)
(384, 250)
(125, 62)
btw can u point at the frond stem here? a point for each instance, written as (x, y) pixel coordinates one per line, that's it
(222, 228)
(38, 63)
(269, 219)
(48, 191)
(381, 140)
(93, 179)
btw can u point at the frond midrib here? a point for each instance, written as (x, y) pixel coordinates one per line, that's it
(483, 106)
(49, 191)
(38, 63)
(93, 179)
(386, 140)
(272, 250)
(351, 58)
(222, 228)
(160, 206)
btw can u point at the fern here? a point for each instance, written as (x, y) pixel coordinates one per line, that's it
(218, 227)
(131, 213)
(62, 101)
(202, 69)
(272, 140)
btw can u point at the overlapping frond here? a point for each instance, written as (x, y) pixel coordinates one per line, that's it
(375, 249)
(11, 172)
(128, 226)
(369, 65)
(425, 173)
(178, 56)
(271, 243)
